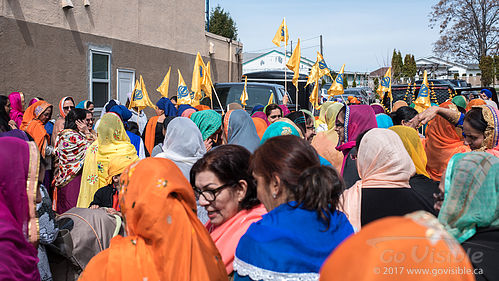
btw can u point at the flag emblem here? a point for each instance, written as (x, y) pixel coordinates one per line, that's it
(138, 95)
(183, 92)
(385, 82)
(423, 92)
(322, 64)
(201, 71)
(339, 79)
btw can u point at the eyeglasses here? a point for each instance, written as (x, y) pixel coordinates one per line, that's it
(340, 125)
(211, 194)
(68, 107)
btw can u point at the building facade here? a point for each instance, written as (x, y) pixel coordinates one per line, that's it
(95, 50)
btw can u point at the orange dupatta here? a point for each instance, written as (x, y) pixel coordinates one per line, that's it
(33, 126)
(442, 142)
(150, 134)
(166, 240)
(260, 125)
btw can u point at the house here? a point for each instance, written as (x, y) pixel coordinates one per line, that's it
(438, 68)
(95, 50)
(272, 60)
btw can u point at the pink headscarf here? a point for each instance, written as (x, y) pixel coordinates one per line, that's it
(17, 110)
(187, 113)
(261, 115)
(382, 162)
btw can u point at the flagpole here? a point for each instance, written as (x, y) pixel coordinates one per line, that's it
(219, 103)
(285, 74)
(211, 100)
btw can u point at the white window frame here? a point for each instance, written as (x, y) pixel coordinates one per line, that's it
(90, 74)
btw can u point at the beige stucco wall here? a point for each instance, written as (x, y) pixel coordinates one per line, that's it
(174, 25)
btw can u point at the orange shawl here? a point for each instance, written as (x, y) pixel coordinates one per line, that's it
(150, 134)
(395, 248)
(227, 235)
(475, 102)
(260, 125)
(166, 240)
(33, 126)
(442, 142)
(201, 107)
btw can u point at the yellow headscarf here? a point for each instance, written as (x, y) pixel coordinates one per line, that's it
(118, 165)
(331, 114)
(112, 141)
(414, 147)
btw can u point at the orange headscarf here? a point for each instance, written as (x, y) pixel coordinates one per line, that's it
(442, 142)
(201, 107)
(150, 133)
(398, 104)
(260, 125)
(395, 248)
(475, 102)
(61, 105)
(166, 240)
(33, 126)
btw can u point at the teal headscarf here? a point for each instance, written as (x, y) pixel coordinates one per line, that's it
(282, 127)
(384, 121)
(471, 194)
(208, 122)
(83, 104)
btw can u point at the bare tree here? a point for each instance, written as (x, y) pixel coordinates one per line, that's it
(468, 28)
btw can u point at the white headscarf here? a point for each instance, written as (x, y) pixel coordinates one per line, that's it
(183, 144)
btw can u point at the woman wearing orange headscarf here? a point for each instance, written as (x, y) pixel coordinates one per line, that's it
(443, 136)
(475, 102)
(34, 119)
(66, 104)
(165, 241)
(415, 247)
(326, 141)
(260, 125)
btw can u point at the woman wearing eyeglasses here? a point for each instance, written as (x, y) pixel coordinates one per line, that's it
(65, 105)
(226, 189)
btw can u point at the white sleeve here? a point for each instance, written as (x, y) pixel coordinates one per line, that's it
(142, 153)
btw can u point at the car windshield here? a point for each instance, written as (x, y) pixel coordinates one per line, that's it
(256, 95)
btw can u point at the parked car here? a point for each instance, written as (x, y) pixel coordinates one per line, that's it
(258, 94)
(357, 92)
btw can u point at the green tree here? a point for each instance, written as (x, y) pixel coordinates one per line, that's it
(487, 68)
(354, 84)
(409, 68)
(376, 85)
(496, 66)
(345, 82)
(397, 65)
(221, 23)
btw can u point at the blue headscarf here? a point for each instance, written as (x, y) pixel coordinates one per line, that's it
(384, 121)
(167, 106)
(256, 108)
(289, 241)
(279, 128)
(122, 111)
(83, 104)
(182, 108)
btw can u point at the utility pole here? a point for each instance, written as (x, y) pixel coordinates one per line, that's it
(320, 40)
(208, 15)
(291, 45)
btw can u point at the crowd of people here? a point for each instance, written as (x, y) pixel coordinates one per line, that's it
(355, 193)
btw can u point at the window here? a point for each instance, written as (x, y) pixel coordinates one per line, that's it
(100, 63)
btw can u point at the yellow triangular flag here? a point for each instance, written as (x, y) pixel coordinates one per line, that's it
(318, 70)
(271, 98)
(163, 88)
(140, 98)
(135, 89)
(314, 96)
(207, 84)
(281, 35)
(183, 95)
(294, 63)
(244, 94)
(197, 77)
(386, 84)
(423, 99)
(337, 86)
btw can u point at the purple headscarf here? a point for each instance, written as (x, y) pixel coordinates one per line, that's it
(378, 108)
(18, 223)
(358, 119)
(17, 111)
(15, 134)
(260, 114)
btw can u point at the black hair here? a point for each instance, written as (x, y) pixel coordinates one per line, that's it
(359, 139)
(110, 105)
(89, 103)
(4, 117)
(271, 107)
(475, 118)
(300, 119)
(133, 127)
(174, 98)
(230, 163)
(73, 115)
(404, 113)
(296, 163)
(167, 121)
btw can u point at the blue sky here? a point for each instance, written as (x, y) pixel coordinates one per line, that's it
(362, 34)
